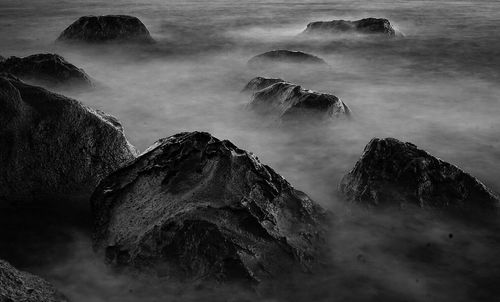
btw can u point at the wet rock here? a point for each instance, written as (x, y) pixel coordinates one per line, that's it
(288, 101)
(197, 208)
(391, 172)
(110, 28)
(51, 69)
(284, 56)
(18, 286)
(53, 145)
(364, 26)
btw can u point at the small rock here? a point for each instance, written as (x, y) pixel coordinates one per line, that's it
(284, 56)
(364, 26)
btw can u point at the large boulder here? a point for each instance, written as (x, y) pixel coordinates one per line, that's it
(197, 208)
(18, 286)
(284, 56)
(288, 101)
(110, 28)
(363, 26)
(51, 69)
(391, 172)
(53, 145)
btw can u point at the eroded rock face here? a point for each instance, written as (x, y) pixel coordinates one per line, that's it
(364, 26)
(51, 69)
(284, 56)
(18, 286)
(110, 28)
(391, 172)
(53, 145)
(197, 208)
(288, 101)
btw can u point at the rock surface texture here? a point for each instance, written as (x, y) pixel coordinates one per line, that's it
(197, 208)
(285, 56)
(49, 69)
(288, 101)
(391, 172)
(18, 286)
(365, 26)
(53, 145)
(116, 28)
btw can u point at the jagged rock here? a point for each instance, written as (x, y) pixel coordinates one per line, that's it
(365, 26)
(53, 145)
(391, 172)
(117, 28)
(18, 286)
(285, 100)
(284, 56)
(197, 208)
(51, 69)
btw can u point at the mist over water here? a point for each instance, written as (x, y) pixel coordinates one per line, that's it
(437, 87)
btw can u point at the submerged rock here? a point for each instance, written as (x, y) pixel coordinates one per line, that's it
(391, 172)
(197, 208)
(365, 26)
(18, 286)
(117, 28)
(53, 145)
(47, 68)
(285, 100)
(284, 56)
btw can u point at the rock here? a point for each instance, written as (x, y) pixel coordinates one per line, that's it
(288, 101)
(18, 286)
(391, 172)
(284, 56)
(98, 29)
(2, 58)
(51, 69)
(364, 26)
(53, 145)
(197, 208)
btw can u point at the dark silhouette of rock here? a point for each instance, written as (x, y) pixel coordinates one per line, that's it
(285, 100)
(391, 172)
(284, 56)
(18, 286)
(2, 58)
(364, 26)
(53, 145)
(197, 208)
(110, 28)
(49, 69)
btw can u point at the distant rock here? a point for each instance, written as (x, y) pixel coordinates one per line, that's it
(364, 26)
(110, 28)
(284, 56)
(391, 172)
(49, 69)
(53, 145)
(196, 208)
(285, 100)
(18, 286)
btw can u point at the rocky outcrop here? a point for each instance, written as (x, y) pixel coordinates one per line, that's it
(284, 56)
(51, 69)
(391, 172)
(363, 26)
(110, 28)
(197, 208)
(288, 101)
(18, 286)
(53, 145)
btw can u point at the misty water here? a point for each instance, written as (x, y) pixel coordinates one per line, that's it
(437, 87)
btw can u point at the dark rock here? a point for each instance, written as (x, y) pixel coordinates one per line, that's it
(117, 28)
(53, 145)
(45, 68)
(284, 56)
(365, 26)
(391, 172)
(197, 208)
(289, 101)
(18, 286)
(2, 58)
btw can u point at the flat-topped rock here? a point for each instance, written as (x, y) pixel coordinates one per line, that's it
(284, 56)
(391, 172)
(194, 207)
(109, 28)
(363, 26)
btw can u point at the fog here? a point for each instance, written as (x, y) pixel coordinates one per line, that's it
(437, 87)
